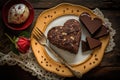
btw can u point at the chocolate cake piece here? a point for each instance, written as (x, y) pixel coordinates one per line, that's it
(93, 43)
(85, 46)
(92, 25)
(66, 37)
(71, 26)
(102, 32)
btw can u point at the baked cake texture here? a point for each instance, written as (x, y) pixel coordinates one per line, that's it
(18, 14)
(66, 37)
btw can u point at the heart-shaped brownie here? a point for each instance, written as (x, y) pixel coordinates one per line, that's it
(92, 25)
(66, 37)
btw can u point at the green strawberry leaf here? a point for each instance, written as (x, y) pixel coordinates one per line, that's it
(25, 34)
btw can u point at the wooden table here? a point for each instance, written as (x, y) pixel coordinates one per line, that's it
(109, 68)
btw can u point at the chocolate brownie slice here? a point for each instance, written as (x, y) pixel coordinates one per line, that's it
(93, 43)
(102, 32)
(90, 44)
(92, 25)
(66, 37)
(85, 46)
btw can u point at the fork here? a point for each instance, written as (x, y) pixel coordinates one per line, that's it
(41, 38)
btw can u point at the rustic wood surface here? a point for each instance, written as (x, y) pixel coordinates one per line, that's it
(109, 68)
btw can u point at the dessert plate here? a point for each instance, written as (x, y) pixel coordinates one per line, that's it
(22, 26)
(71, 58)
(82, 62)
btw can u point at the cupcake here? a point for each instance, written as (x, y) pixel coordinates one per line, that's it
(18, 14)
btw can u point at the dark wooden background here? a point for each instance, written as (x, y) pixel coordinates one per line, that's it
(109, 68)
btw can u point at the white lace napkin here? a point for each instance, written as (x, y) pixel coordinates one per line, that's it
(29, 63)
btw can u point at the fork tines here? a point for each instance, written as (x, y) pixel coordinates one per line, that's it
(37, 33)
(39, 36)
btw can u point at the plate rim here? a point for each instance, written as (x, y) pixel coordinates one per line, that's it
(72, 64)
(104, 40)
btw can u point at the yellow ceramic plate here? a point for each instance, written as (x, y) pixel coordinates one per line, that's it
(82, 62)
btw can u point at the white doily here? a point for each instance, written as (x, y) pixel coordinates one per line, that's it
(29, 63)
